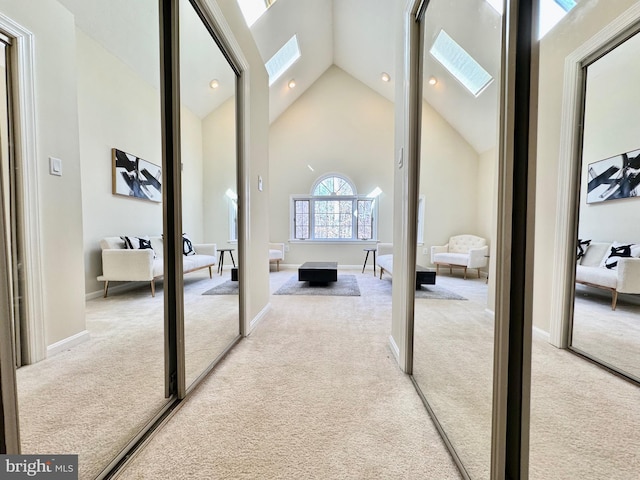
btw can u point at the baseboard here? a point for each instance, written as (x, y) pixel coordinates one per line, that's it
(67, 343)
(394, 349)
(258, 318)
(541, 333)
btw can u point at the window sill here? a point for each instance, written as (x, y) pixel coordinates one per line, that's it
(333, 242)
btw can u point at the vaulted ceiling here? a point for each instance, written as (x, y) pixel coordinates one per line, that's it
(358, 36)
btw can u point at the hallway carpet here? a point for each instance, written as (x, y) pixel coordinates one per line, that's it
(313, 392)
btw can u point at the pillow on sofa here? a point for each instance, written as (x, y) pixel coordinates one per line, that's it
(582, 248)
(187, 245)
(617, 251)
(137, 243)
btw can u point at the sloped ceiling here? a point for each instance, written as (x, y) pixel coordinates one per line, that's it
(356, 35)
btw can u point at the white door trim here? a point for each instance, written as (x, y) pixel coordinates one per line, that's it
(24, 118)
(568, 173)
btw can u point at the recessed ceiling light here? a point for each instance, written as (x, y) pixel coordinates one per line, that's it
(292, 83)
(433, 80)
(385, 77)
(214, 83)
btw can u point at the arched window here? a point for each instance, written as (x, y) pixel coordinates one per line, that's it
(333, 212)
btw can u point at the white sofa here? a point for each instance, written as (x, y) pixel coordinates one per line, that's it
(591, 270)
(384, 258)
(462, 251)
(145, 265)
(276, 254)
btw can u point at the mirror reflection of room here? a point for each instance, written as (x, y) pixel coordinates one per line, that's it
(103, 375)
(606, 320)
(209, 195)
(584, 417)
(453, 326)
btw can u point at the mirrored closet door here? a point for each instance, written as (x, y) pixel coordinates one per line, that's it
(454, 324)
(606, 324)
(209, 195)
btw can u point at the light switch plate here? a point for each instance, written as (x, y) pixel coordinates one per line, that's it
(55, 166)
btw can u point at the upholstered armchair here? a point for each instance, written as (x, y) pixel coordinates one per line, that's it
(462, 251)
(276, 254)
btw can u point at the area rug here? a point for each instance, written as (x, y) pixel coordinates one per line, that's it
(346, 286)
(437, 292)
(225, 288)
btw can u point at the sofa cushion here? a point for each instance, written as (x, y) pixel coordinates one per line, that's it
(597, 276)
(619, 250)
(583, 245)
(451, 258)
(112, 243)
(193, 262)
(136, 243)
(385, 262)
(275, 254)
(187, 245)
(595, 253)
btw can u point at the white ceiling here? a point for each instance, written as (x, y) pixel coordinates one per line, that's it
(356, 35)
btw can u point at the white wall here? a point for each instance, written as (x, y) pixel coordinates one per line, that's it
(219, 146)
(255, 152)
(119, 109)
(575, 29)
(57, 135)
(450, 181)
(611, 128)
(338, 125)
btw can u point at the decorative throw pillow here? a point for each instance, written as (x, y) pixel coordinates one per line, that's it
(137, 243)
(619, 250)
(187, 245)
(582, 248)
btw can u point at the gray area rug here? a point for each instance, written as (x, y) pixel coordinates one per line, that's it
(437, 292)
(346, 286)
(225, 288)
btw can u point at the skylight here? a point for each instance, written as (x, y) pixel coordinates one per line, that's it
(283, 59)
(460, 64)
(253, 9)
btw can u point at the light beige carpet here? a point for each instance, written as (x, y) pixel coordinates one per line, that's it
(314, 392)
(92, 399)
(585, 422)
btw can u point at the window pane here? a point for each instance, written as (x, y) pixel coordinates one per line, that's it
(302, 219)
(365, 219)
(333, 219)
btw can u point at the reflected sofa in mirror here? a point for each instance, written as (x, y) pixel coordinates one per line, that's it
(103, 375)
(606, 321)
(584, 418)
(453, 325)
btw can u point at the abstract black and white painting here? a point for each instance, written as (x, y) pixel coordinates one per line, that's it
(135, 177)
(614, 178)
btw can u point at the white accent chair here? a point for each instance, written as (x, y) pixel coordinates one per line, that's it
(462, 251)
(276, 254)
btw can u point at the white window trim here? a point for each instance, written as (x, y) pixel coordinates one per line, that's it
(311, 198)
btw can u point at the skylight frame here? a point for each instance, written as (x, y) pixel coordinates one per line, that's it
(459, 63)
(282, 60)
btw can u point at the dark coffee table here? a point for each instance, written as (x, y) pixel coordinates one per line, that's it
(318, 273)
(425, 276)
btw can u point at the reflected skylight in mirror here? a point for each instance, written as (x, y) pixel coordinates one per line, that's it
(498, 5)
(253, 9)
(460, 64)
(551, 12)
(283, 59)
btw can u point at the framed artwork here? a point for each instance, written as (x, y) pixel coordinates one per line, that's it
(136, 178)
(614, 178)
